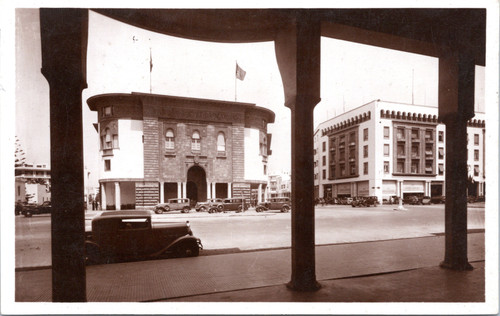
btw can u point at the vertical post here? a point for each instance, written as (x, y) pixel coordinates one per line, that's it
(456, 106)
(179, 190)
(229, 192)
(64, 50)
(103, 196)
(118, 200)
(184, 189)
(209, 195)
(298, 55)
(162, 192)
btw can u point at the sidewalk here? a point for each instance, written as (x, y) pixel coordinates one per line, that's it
(355, 272)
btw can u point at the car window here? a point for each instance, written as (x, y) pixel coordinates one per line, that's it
(134, 223)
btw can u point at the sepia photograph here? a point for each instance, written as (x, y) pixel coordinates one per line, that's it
(327, 158)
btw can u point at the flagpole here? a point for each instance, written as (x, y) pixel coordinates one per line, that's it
(150, 68)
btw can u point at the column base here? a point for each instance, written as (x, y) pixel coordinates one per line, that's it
(461, 266)
(309, 287)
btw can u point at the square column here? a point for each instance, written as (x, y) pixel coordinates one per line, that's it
(179, 190)
(184, 188)
(117, 196)
(209, 192)
(162, 192)
(229, 191)
(259, 194)
(214, 192)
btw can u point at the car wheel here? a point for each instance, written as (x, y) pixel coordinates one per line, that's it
(193, 251)
(220, 208)
(239, 208)
(202, 209)
(159, 211)
(28, 214)
(186, 209)
(285, 209)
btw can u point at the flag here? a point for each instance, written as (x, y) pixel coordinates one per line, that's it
(150, 61)
(240, 73)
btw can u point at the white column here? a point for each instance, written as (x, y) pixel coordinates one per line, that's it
(162, 193)
(179, 190)
(117, 196)
(266, 193)
(229, 191)
(209, 195)
(214, 193)
(184, 187)
(259, 194)
(103, 196)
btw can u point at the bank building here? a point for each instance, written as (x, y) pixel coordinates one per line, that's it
(389, 149)
(155, 147)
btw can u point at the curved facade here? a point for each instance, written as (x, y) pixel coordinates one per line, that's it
(156, 147)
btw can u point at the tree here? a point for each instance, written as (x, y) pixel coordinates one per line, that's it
(20, 158)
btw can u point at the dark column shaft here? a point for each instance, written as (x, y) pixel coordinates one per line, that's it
(64, 37)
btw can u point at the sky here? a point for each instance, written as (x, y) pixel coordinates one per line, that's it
(118, 62)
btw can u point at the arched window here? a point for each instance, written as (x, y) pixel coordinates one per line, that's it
(221, 142)
(195, 141)
(169, 139)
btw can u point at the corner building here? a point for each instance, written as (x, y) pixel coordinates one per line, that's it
(389, 149)
(156, 147)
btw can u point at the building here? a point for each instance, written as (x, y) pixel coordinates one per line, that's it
(156, 147)
(32, 183)
(379, 150)
(279, 185)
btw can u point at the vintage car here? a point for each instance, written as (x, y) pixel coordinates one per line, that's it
(33, 209)
(412, 200)
(183, 205)
(425, 200)
(282, 204)
(125, 235)
(205, 206)
(364, 201)
(232, 204)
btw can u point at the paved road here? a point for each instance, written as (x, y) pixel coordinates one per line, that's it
(228, 232)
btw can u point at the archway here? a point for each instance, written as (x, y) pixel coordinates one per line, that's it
(196, 187)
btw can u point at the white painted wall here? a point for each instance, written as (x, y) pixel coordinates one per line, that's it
(127, 160)
(254, 167)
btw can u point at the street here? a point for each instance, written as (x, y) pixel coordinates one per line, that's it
(230, 232)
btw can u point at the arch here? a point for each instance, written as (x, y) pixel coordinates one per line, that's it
(196, 187)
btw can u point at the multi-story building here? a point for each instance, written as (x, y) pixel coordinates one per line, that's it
(156, 147)
(389, 149)
(279, 185)
(32, 183)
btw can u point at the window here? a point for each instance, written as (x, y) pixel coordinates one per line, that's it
(476, 171)
(441, 136)
(429, 135)
(401, 150)
(342, 170)
(108, 144)
(324, 174)
(415, 150)
(365, 168)
(400, 167)
(386, 149)
(476, 139)
(221, 142)
(324, 160)
(265, 170)
(414, 134)
(386, 132)
(428, 167)
(441, 169)
(195, 141)
(414, 166)
(107, 165)
(352, 138)
(476, 155)
(400, 133)
(365, 134)
(332, 172)
(324, 146)
(429, 150)
(365, 151)
(386, 167)
(169, 139)
(441, 153)
(353, 169)
(352, 153)
(106, 111)
(342, 155)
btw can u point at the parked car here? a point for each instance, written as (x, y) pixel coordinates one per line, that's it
(182, 205)
(412, 200)
(126, 235)
(205, 206)
(282, 204)
(425, 200)
(364, 201)
(232, 204)
(438, 199)
(19, 208)
(33, 209)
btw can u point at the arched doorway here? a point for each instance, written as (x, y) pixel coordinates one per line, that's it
(196, 187)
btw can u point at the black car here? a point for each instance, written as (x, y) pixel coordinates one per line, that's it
(282, 204)
(33, 209)
(232, 204)
(130, 235)
(364, 201)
